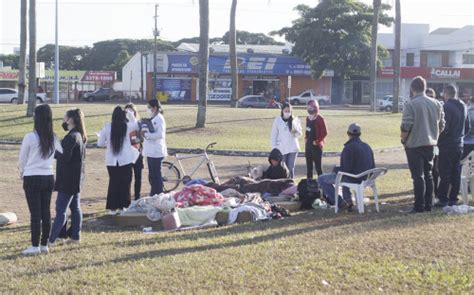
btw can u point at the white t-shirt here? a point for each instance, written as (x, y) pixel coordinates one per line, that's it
(154, 145)
(282, 138)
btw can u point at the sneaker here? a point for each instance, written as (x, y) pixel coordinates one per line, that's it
(72, 242)
(31, 251)
(44, 249)
(440, 204)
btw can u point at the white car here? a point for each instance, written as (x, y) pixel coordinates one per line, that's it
(11, 95)
(386, 103)
(306, 96)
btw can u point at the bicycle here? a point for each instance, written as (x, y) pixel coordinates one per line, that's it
(171, 172)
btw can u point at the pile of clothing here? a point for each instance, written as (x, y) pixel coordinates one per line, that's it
(237, 200)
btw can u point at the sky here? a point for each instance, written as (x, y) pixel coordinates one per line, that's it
(83, 22)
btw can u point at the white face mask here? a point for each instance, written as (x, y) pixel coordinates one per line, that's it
(150, 112)
(286, 115)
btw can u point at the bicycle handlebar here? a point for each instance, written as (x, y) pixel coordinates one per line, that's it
(210, 146)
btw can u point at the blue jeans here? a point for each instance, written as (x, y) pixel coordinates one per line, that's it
(62, 203)
(326, 182)
(154, 175)
(290, 161)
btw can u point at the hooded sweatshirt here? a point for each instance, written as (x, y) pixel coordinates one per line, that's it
(457, 124)
(279, 171)
(316, 130)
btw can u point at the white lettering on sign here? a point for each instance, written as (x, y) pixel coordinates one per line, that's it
(270, 64)
(445, 73)
(255, 63)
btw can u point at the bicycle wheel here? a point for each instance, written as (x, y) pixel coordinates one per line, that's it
(213, 172)
(171, 176)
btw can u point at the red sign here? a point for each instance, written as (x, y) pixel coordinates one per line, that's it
(430, 73)
(99, 76)
(8, 75)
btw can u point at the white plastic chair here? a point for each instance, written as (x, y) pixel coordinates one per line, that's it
(371, 174)
(467, 176)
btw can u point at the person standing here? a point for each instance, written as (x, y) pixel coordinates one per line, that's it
(70, 175)
(435, 172)
(136, 143)
(119, 158)
(450, 145)
(154, 145)
(36, 170)
(286, 130)
(356, 157)
(316, 132)
(469, 138)
(422, 122)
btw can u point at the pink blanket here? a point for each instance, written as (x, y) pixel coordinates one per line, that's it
(198, 195)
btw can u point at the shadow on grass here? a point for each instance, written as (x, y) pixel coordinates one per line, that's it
(182, 128)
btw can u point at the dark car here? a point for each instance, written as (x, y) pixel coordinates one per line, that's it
(257, 101)
(102, 94)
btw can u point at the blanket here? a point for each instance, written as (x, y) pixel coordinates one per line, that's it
(198, 195)
(247, 185)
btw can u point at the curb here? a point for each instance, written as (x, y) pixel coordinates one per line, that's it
(229, 153)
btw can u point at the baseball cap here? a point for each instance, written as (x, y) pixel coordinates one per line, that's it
(354, 128)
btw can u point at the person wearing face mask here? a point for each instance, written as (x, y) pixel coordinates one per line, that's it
(136, 143)
(286, 130)
(119, 158)
(316, 132)
(70, 176)
(154, 145)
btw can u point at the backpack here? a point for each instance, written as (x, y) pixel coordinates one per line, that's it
(308, 191)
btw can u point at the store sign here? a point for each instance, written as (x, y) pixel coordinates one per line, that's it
(173, 89)
(99, 76)
(8, 75)
(437, 73)
(220, 90)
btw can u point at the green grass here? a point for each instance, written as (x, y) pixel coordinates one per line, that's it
(233, 129)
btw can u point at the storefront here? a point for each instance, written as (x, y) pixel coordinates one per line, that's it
(262, 74)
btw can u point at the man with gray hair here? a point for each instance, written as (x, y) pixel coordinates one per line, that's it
(422, 122)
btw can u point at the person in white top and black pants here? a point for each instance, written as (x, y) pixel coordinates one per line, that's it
(154, 146)
(286, 130)
(119, 157)
(36, 170)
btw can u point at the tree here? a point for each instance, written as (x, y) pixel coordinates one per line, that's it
(32, 61)
(203, 62)
(10, 60)
(70, 57)
(233, 55)
(217, 40)
(396, 56)
(334, 35)
(122, 58)
(22, 62)
(373, 54)
(244, 37)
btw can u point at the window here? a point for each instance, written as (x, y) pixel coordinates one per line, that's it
(410, 60)
(3, 91)
(307, 94)
(468, 59)
(434, 59)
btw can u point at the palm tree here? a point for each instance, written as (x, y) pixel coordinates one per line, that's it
(396, 57)
(203, 62)
(32, 61)
(233, 55)
(22, 71)
(373, 54)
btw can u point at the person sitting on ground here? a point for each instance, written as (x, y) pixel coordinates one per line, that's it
(277, 169)
(357, 157)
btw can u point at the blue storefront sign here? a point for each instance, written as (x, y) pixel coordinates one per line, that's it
(249, 64)
(173, 89)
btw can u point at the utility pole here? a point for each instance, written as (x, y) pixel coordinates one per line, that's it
(396, 57)
(373, 55)
(56, 59)
(156, 33)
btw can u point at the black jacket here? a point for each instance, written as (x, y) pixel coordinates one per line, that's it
(278, 172)
(457, 124)
(356, 157)
(70, 164)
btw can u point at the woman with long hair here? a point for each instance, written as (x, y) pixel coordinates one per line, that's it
(119, 158)
(154, 145)
(136, 143)
(286, 130)
(316, 132)
(70, 175)
(36, 170)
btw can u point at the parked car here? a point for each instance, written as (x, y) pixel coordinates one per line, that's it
(306, 96)
(385, 104)
(102, 94)
(11, 95)
(257, 101)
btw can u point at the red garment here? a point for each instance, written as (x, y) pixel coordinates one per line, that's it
(198, 195)
(320, 130)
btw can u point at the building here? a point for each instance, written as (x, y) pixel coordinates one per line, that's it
(443, 56)
(262, 70)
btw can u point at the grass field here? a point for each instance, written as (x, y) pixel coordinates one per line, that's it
(233, 129)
